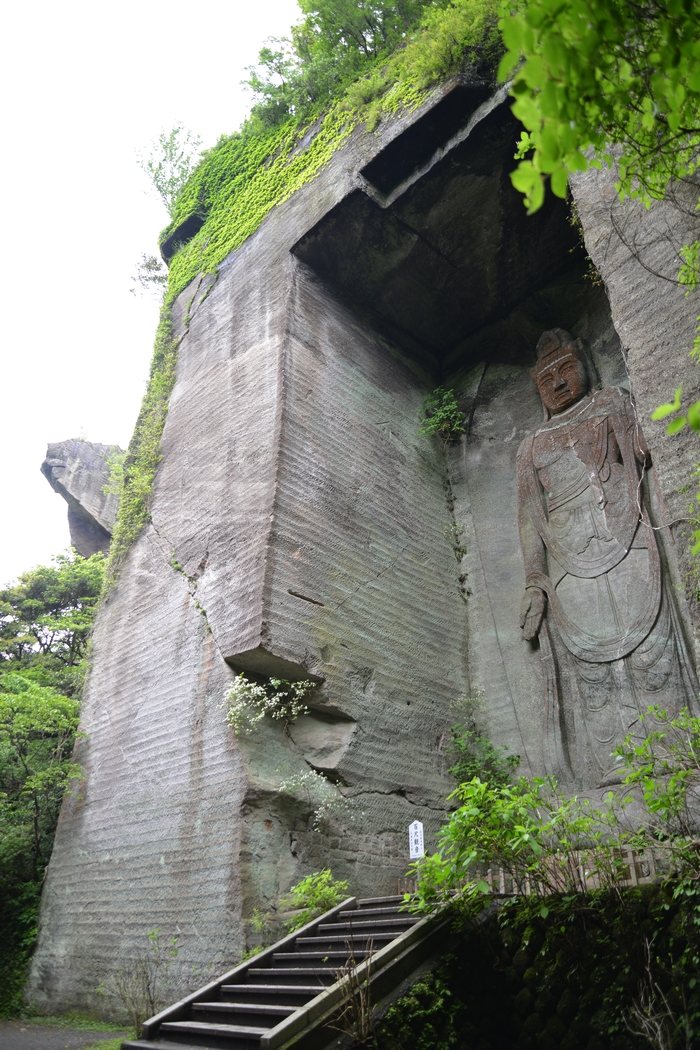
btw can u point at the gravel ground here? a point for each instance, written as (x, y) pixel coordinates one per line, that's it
(16, 1035)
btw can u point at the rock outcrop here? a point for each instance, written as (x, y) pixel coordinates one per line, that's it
(79, 471)
(301, 526)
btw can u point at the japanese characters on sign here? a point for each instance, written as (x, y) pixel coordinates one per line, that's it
(415, 840)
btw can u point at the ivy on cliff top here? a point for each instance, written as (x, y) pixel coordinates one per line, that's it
(249, 173)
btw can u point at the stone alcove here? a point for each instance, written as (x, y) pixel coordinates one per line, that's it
(434, 250)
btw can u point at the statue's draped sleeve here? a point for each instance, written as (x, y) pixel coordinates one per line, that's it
(531, 542)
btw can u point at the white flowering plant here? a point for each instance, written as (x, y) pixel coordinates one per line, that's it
(325, 798)
(248, 702)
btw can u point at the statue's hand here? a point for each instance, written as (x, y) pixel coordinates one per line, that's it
(531, 612)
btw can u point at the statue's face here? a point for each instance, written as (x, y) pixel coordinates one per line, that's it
(562, 383)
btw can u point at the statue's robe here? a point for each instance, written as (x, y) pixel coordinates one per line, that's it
(611, 641)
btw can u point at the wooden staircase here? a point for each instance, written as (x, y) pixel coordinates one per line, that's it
(276, 998)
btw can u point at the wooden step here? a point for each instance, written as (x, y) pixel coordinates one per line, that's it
(295, 974)
(157, 1044)
(282, 994)
(215, 1036)
(353, 914)
(329, 958)
(357, 926)
(242, 1013)
(379, 902)
(350, 940)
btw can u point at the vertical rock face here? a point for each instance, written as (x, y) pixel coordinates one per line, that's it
(636, 252)
(79, 471)
(302, 527)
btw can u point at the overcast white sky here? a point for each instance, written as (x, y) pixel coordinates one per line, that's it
(86, 86)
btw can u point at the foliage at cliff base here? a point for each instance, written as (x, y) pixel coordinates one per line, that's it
(578, 975)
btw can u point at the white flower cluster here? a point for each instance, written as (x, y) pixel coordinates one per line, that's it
(247, 703)
(325, 798)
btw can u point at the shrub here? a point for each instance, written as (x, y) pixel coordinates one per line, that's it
(314, 895)
(441, 415)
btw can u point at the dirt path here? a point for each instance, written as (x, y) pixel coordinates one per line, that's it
(18, 1035)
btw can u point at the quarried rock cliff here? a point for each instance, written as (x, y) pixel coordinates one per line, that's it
(302, 527)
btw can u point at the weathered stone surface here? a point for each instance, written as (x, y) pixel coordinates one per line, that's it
(146, 839)
(301, 525)
(635, 250)
(655, 321)
(502, 407)
(598, 601)
(309, 519)
(79, 471)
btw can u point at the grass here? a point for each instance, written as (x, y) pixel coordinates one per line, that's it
(76, 1021)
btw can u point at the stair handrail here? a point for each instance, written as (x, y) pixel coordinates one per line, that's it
(376, 968)
(177, 1010)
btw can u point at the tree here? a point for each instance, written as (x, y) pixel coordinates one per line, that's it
(170, 162)
(151, 276)
(37, 729)
(46, 618)
(333, 43)
(45, 622)
(597, 81)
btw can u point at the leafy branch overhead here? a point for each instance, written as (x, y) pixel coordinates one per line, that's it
(597, 81)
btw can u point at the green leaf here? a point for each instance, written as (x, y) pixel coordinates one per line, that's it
(670, 407)
(512, 31)
(559, 182)
(693, 416)
(507, 65)
(676, 425)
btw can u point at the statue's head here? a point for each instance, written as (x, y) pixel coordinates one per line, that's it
(560, 372)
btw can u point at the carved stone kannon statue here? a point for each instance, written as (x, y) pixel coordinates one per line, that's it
(596, 595)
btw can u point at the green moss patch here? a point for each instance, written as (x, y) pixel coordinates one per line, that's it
(143, 454)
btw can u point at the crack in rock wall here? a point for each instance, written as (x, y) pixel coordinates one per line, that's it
(146, 838)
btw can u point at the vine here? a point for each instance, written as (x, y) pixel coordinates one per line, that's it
(143, 455)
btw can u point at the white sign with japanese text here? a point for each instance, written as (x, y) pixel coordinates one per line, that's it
(415, 840)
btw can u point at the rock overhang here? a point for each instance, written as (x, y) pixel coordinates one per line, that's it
(433, 243)
(78, 470)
